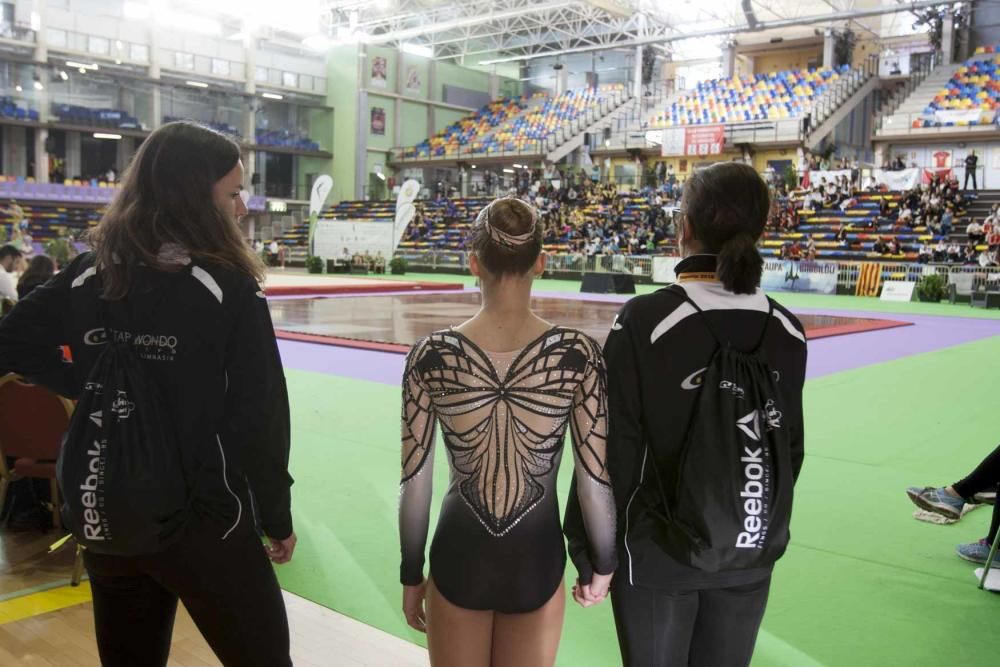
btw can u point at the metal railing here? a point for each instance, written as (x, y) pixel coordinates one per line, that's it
(965, 278)
(902, 123)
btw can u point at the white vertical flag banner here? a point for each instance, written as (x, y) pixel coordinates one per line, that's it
(405, 209)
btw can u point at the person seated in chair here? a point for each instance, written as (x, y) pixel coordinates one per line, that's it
(941, 251)
(880, 247)
(974, 231)
(924, 254)
(954, 253)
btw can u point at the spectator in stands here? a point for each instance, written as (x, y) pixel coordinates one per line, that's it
(947, 219)
(272, 252)
(941, 251)
(975, 232)
(191, 275)
(40, 269)
(841, 236)
(971, 163)
(954, 253)
(969, 254)
(11, 261)
(810, 252)
(893, 247)
(993, 240)
(899, 164)
(880, 247)
(924, 254)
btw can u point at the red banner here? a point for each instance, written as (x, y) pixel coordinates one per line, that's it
(928, 175)
(704, 140)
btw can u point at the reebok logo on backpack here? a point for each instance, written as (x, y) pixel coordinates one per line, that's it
(730, 505)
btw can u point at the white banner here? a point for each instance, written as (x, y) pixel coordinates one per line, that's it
(907, 179)
(357, 236)
(831, 176)
(897, 290)
(405, 210)
(672, 142)
(663, 269)
(964, 115)
(320, 191)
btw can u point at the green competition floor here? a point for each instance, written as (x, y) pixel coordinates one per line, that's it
(862, 582)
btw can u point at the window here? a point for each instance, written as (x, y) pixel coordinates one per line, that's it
(98, 45)
(220, 67)
(260, 75)
(138, 52)
(183, 60)
(290, 79)
(56, 38)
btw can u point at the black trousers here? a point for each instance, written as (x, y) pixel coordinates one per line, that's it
(228, 586)
(985, 477)
(709, 628)
(970, 173)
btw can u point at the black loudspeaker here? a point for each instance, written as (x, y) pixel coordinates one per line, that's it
(255, 179)
(608, 283)
(50, 145)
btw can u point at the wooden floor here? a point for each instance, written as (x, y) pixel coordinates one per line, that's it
(320, 637)
(404, 319)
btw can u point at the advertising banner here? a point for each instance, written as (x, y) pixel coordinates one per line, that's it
(803, 276)
(358, 236)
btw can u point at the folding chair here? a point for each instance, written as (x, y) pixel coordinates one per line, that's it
(32, 423)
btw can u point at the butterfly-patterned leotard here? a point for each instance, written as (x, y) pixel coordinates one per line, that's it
(503, 416)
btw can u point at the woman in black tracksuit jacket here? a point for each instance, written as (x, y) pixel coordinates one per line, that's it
(668, 613)
(172, 276)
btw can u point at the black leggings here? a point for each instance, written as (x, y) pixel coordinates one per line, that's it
(228, 586)
(985, 477)
(709, 628)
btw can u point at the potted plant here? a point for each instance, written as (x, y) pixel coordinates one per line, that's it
(397, 266)
(314, 264)
(932, 288)
(58, 250)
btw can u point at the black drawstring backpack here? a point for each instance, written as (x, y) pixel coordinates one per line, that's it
(124, 490)
(730, 506)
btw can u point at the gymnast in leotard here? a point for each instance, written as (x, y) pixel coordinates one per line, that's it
(504, 386)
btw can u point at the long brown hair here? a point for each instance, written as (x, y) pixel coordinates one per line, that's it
(727, 205)
(166, 197)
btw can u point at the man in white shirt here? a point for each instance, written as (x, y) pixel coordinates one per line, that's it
(10, 261)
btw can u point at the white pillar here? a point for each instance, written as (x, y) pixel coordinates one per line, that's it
(728, 60)
(41, 157)
(948, 37)
(562, 80)
(637, 75)
(829, 39)
(41, 53)
(73, 162)
(494, 86)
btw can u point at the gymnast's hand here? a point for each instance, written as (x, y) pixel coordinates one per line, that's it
(413, 606)
(280, 551)
(587, 595)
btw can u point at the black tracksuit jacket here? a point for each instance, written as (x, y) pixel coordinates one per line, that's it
(205, 336)
(655, 353)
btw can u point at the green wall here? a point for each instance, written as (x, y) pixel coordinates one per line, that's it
(414, 128)
(342, 95)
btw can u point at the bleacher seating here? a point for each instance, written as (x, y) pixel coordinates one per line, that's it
(469, 130)
(9, 108)
(863, 226)
(543, 121)
(110, 118)
(975, 86)
(773, 96)
(285, 139)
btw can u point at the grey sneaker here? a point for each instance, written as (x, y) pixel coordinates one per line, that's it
(937, 501)
(977, 552)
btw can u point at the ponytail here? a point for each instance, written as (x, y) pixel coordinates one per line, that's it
(727, 205)
(740, 265)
